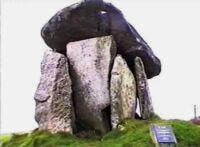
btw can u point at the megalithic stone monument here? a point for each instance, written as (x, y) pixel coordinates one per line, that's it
(98, 68)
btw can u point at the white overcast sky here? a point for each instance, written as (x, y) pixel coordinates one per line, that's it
(171, 28)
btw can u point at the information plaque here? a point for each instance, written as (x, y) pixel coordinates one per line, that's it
(163, 136)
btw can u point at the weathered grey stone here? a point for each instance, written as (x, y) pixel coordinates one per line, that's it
(122, 92)
(95, 18)
(53, 95)
(90, 62)
(146, 108)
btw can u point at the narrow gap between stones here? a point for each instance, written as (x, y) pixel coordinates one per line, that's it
(106, 112)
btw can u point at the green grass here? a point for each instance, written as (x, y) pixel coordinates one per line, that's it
(129, 134)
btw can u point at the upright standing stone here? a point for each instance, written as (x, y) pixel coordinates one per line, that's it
(146, 108)
(122, 92)
(53, 95)
(90, 62)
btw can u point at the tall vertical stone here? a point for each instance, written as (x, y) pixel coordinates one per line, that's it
(122, 92)
(53, 95)
(146, 108)
(90, 62)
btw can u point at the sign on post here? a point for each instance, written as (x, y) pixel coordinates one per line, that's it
(163, 136)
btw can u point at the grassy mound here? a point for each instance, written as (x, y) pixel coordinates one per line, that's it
(129, 134)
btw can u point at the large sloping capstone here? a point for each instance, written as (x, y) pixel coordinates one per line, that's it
(146, 108)
(90, 62)
(95, 18)
(122, 92)
(53, 95)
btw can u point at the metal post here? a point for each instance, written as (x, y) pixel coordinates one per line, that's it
(195, 112)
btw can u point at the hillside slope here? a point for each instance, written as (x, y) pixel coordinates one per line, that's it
(130, 133)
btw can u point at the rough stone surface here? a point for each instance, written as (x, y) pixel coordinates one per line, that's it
(93, 18)
(53, 95)
(90, 62)
(122, 92)
(146, 108)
